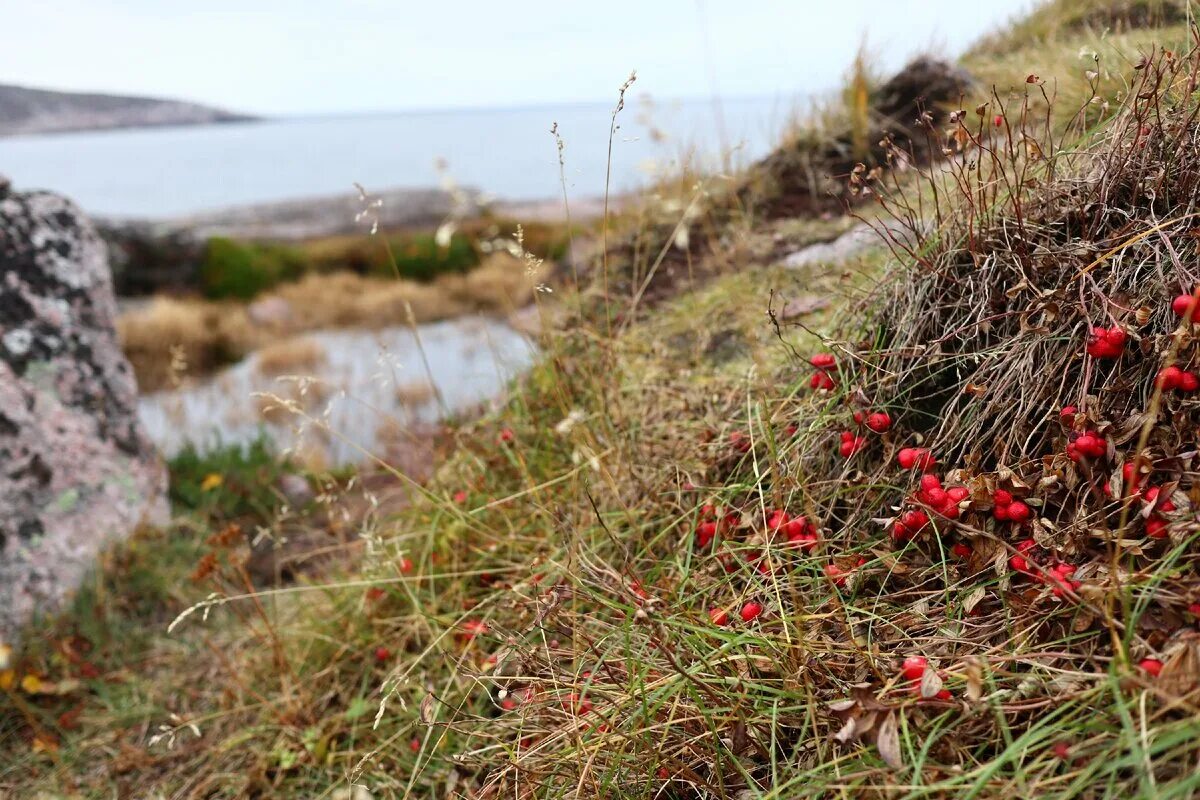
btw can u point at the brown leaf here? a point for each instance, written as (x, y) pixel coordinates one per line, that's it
(974, 680)
(847, 732)
(427, 709)
(888, 742)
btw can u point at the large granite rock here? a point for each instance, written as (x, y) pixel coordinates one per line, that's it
(76, 468)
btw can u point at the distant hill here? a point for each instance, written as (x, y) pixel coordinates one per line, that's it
(24, 111)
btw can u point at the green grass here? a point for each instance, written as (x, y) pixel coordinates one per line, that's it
(229, 482)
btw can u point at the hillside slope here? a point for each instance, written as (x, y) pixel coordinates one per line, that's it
(26, 111)
(687, 559)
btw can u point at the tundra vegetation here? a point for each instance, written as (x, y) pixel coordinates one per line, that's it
(915, 522)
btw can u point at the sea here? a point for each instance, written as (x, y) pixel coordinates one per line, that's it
(508, 153)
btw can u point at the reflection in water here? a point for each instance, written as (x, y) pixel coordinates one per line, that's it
(356, 391)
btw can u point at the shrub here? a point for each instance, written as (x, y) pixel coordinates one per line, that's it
(243, 269)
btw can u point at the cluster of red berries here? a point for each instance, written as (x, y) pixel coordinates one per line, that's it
(1106, 343)
(1174, 378)
(877, 421)
(1006, 509)
(798, 530)
(711, 524)
(1058, 576)
(750, 611)
(913, 670)
(850, 444)
(821, 379)
(945, 502)
(1156, 525)
(1088, 444)
(1082, 444)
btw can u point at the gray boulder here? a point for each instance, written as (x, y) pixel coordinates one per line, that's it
(76, 468)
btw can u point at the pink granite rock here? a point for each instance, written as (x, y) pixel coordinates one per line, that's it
(76, 468)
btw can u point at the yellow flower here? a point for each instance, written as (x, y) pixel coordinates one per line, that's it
(32, 684)
(211, 481)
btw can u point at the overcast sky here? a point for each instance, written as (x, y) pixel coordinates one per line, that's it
(301, 56)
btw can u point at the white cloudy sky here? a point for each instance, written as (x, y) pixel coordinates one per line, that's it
(302, 56)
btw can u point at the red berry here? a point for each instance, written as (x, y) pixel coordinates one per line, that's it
(1156, 528)
(406, 565)
(961, 550)
(930, 482)
(1061, 750)
(998, 120)
(823, 361)
(776, 519)
(915, 457)
(795, 527)
(1169, 378)
(821, 380)
(1068, 411)
(382, 654)
(1184, 305)
(879, 422)
(914, 667)
(958, 493)
(851, 444)
(1189, 382)
(858, 418)
(751, 611)
(836, 574)
(718, 616)
(414, 744)
(1002, 497)
(1019, 512)
(805, 541)
(460, 496)
(1194, 609)
(1151, 666)
(506, 435)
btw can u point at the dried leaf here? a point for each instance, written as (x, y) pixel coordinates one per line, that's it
(887, 740)
(974, 680)
(931, 683)
(427, 709)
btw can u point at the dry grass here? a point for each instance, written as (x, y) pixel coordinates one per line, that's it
(298, 356)
(213, 334)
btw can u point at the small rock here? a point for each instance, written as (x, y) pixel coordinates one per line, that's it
(296, 489)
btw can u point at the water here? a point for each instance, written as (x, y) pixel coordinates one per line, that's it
(365, 394)
(509, 153)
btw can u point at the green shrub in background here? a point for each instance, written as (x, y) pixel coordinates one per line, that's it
(241, 270)
(419, 258)
(230, 482)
